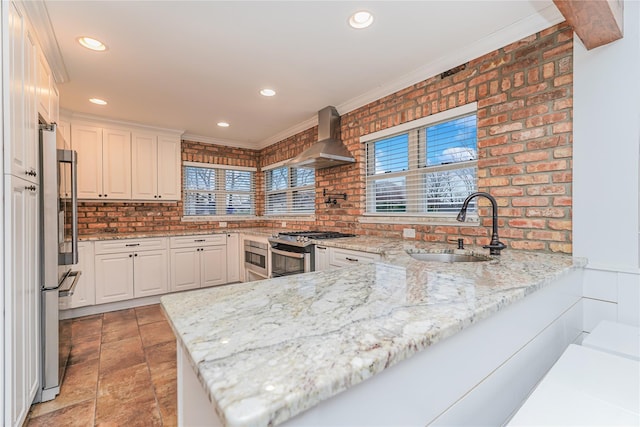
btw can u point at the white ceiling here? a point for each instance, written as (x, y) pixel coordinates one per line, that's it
(190, 64)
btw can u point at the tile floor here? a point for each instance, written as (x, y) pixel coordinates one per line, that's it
(121, 372)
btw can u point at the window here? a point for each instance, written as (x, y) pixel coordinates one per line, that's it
(426, 167)
(218, 190)
(290, 190)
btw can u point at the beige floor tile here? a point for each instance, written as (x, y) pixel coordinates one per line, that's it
(150, 314)
(116, 331)
(156, 333)
(85, 348)
(121, 354)
(79, 385)
(86, 326)
(78, 415)
(160, 353)
(116, 316)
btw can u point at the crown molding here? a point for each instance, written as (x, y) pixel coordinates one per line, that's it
(38, 15)
(295, 129)
(74, 116)
(217, 141)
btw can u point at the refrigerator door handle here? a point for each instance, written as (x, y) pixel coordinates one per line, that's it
(74, 208)
(66, 291)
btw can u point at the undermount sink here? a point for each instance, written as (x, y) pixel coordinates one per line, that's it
(446, 256)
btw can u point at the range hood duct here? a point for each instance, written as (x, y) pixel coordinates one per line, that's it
(328, 151)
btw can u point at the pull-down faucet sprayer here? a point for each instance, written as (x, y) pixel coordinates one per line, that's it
(496, 245)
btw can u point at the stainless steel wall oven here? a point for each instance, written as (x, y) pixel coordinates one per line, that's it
(256, 255)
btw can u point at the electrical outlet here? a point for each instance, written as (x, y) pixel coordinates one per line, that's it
(283, 224)
(222, 224)
(409, 233)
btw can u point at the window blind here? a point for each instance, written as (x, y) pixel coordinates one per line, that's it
(218, 190)
(289, 190)
(426, 170)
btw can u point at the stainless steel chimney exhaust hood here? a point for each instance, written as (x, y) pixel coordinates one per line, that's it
(328, 151)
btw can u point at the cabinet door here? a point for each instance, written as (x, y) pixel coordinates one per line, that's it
(169, 168)
(31, 134)
(116, 164)
(44, 87)
(185, 269)
(87, 141)
(14, 148)
(85, 292)
(214, 265)
(65, 130)
(114, 277)
(321, 258)
(31, 314)
(233, 257)
(144, 167)
(54, 103)
(150, 273)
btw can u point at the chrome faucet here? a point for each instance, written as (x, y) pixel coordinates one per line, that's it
(496, 245)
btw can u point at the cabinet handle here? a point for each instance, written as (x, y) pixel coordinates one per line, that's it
(132, 244)
(200, 240)
(352, 259)
(135, 254)
(130, 255)
(155, 197)
(30, 187)
(99, 195)
(105, 195)
(160, 196)
(321, 247)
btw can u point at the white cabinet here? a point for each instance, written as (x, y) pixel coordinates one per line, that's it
(20, 337)
(321, 258)
(233, 257)
(130, 268)
(85, 290)
(104, 162)
(156, 173)
(339, 257)
(198, 261)
(21, 296)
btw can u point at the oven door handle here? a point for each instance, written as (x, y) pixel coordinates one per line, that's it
(288, 254)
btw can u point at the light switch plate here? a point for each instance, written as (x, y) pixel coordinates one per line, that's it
(283, 224)
(409, 233)
(222, 224)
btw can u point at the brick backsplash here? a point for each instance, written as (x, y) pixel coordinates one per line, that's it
(525, 104)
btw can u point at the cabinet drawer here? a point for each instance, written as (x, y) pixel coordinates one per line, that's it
(200, 240)
(128, 245)
(341, 257)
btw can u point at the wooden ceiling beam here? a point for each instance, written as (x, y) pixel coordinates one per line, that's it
(596, 22)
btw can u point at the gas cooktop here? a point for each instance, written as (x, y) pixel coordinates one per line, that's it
(301, 238)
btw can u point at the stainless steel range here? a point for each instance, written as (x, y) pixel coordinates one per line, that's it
(293, 252)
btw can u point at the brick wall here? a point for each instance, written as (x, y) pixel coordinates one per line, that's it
(524, 96)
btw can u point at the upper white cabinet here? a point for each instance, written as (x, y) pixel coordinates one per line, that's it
(104, 162)
(155, 161)
(126, 163)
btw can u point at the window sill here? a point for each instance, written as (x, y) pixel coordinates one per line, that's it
(285, 217)
(214, 218)
(471, 221)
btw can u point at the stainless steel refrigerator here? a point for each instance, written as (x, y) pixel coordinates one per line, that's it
(58, 253)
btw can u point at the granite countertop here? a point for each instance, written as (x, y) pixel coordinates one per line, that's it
(260, 231)
(266, 351)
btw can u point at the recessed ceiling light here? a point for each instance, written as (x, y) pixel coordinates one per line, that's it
(267, 92)
(361, 19)
(223, 124)
(92, 44)
(98, 101)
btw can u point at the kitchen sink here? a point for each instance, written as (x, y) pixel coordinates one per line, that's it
(429, 256)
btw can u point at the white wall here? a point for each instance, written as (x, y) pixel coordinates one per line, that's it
(606, 154)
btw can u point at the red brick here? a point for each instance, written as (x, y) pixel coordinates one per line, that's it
(527, 245)
(561, 247)
(528, 134)
(546, 190)
(560, 225)
(495, 130)
(507, 170)
(546, 212)
(547, 166)
(530, 201)
(547, 235)
(506, 149)
(532, 156)
(530, 179)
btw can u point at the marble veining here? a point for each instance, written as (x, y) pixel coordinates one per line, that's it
(260, 231)
(266, 351)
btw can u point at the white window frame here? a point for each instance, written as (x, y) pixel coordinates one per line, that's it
(221, 193)
(289, 193)
(415, 211)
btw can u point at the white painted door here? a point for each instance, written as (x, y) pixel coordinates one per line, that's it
(185, 269)
(213, 265)
(31, 314)
(114, 277)
(150, 273)
(233, 257)
(169, 168)
(144, 167)
(31, 133)
(85, 292)
(116, 164)
(321, 258)
(87, 141)
(44, 87)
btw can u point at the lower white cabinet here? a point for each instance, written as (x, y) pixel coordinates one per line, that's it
(198, 261)
(84, 293)
(130, 268)
(339, 257)
(233, 257)
(321, 258)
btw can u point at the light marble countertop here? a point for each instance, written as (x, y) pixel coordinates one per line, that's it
(266, 351)
(260, 231)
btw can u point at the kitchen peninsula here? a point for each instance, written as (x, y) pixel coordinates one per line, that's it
(437, 342)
